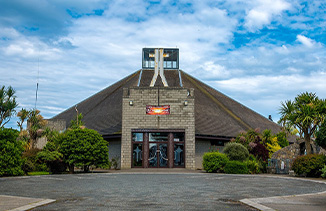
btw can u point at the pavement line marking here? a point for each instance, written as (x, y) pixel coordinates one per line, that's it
(256, 205)
(33, 205)
(255, 202)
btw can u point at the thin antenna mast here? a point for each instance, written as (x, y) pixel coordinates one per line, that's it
(38, 76)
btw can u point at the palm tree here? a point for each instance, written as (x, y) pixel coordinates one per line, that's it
(22, 115)
(36, 125)
(7, 104)
(306, 113)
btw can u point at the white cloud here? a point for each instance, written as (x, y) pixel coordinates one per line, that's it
(210, 70)
(306, 41)
(79, 56)
(265, 93)
(263, 12)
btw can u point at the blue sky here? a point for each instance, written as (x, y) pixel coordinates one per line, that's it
(258, 52)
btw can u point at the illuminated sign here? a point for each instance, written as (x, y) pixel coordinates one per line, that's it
(158, 110)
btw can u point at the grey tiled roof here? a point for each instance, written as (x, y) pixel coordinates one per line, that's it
(215, 113)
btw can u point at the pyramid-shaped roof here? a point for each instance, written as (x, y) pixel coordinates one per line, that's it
(216, 115)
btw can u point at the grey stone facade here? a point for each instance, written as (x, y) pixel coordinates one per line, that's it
(58, 124)
(181, 117)
(115, 150)
(202, 146)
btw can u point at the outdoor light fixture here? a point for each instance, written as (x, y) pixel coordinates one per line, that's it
(185, 102)
(131, 103)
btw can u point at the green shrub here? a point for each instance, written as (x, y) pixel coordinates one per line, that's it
(114, 163)
(236, 167)
(323, 172)
(32, 163)
(53, 160)
(253, 165)
(10, 153)
(236, 151)
(321, 135)
(51, 156)
(309, 165)
(84, 148)
(214, 161)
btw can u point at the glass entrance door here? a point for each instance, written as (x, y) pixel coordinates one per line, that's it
(158, 149)
(158, 156)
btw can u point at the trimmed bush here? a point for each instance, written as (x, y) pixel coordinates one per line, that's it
(236, 151)
(10, 153)
(84, 148)
(214, 161)
(236, 167)
(309, 165)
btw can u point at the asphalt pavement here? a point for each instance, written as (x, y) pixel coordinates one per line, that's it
(161, 190)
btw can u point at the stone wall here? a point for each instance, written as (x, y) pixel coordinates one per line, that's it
(288, 154)
(58, 125)
(181, 117)
(41, 142)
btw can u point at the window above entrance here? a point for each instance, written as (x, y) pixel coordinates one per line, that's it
(153, 137)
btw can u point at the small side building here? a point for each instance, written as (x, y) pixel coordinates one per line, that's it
(162, 117)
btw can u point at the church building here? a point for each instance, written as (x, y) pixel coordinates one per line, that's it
(162, 117)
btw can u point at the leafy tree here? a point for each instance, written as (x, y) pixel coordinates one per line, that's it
(7, 104)
(83, 148)
(281, 139)
(36, 125)
(10, 153)
(306, 113)
(23, 115)
(321, 135)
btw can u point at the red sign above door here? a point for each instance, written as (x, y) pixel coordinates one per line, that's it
(158, 110)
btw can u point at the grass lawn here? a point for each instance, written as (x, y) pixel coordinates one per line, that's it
(34, 173)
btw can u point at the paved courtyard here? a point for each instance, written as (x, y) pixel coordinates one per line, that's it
(153, 191)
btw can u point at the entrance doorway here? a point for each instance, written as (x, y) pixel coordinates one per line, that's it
(158, 149)
(158, 155)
